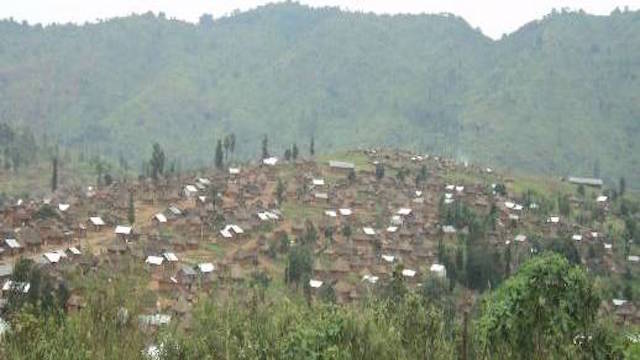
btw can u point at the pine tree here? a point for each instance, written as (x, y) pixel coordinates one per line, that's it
(294, 152)
(280, 189)
(379, 171)
(287, 154)
(157, 161)
(622, 187)
(312, 150)
(219, 159)
(54, 176)
(232, 143)
(265, 145)
(131, 213)
(227, 145)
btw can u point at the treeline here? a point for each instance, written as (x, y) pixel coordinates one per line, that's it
(18, 147)
(546, 310)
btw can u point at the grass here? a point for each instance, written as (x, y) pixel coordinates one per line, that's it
(297, 212)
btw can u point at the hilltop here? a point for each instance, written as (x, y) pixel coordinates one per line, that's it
(558, 97)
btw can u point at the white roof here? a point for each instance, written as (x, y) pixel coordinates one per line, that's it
(202, 198)
(63, 207)
(392, 229)
(388, 258)
(12, 243)
(553, 219)
(418, 193)
(404, 211)
(488, 170)
(331, 213)
(396, 220)
(619, 302)
(594, 234)
(634, 258)
(517, 207)
(204, 181)
(270, 161)
(263, 216)
(439, 268)
(368, 230)
(450, 187)
(448, 195)
(408, 273)
(318, 182)
(175, 210)
(52, 257)
(96, 220)
(190, 189)
(226, 233)
(154, 260)
(448, 201)
(370, 278)
(601, 198)
(520, 237)
(533, 206)
(170, 256)
(315, 283)
(608, 246)
(577, 237)
(321, 195)
(234, 171)
(123, 230)
(235, 228)
(74, 250)
(345, 212)
(21, 286)
(341, 164)
(509, 204)
(448, 229)
(61, 253)
(206, 267)
(161, 218)
(459, 188)
(514, 217)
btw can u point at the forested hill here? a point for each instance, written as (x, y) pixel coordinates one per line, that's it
(559, 96)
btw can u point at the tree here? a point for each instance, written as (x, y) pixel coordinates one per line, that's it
(379, 171)
(54, 175)
(227, 145)
(232, 143)
(299, 264)
(265, 147)
(581, 190)
(566, 248)
(346, 231)
(622, 187)
(131, 211)
(157, 161)
(352, 176)
(294, 152)
(219, 157)
(540, 312)
(280, 189)
(312, 149)
(287, 154)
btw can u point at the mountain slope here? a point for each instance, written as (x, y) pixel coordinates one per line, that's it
(559, 96)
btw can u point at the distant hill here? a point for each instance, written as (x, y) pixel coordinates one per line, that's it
(559, 96)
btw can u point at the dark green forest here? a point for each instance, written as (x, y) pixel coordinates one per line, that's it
(559, 96)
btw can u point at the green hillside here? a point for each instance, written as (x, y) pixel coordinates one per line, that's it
(560, 96)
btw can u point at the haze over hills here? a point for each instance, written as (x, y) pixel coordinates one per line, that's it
(559, 96)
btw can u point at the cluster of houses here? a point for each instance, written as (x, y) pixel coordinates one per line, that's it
(215, 230)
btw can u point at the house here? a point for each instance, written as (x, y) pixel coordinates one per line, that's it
(345, 212)
(369, 231)
(123, 231)
(159, 218)
(190, 191)
(585, 181)
(520, 238)
(448, 229)
(408, 273)
(228, 231)
(576, 237)
(270, 161)
(341, 165)
(438, 270)
(330, 213)
(13, 245)
(234, 171)
(97, 222)
(154, 260)
(315, 284)
(52, 257)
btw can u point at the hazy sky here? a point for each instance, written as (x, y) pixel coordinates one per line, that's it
(494, 17)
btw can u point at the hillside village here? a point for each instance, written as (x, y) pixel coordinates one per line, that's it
(367, 215)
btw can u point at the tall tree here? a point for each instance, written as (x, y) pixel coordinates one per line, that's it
(227, 146)
(287, 154)
(131, 211)
(280, 189)
(232, 143)
(219, 157)
(622, 187)
(265, 147)
(379, 171)
(54, 175)
(294, 152)
(312, 150)
(157, 161)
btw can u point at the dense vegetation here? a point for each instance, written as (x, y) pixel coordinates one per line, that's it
(558, 96)
(537, 314)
